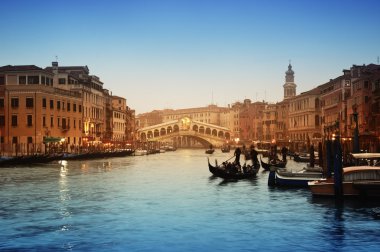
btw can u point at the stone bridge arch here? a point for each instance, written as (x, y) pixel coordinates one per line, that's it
(185, 130)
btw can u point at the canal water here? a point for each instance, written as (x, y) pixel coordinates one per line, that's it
(170, 202)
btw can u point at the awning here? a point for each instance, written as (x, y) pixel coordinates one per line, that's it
(52, 139)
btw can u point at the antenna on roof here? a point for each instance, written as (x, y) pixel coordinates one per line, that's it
(265, 94)
(212, 97)
(378, 60)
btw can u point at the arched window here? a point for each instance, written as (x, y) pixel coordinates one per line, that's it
(175, 128)
(162, 132)
(169, 130)
(201, 129)
(156, 133)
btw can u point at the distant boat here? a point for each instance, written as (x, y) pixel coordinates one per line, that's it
(357, 181)
(225, 149)
(169, 148)
(209, 151)
(263, 152)
(305, 157)
(141, 152)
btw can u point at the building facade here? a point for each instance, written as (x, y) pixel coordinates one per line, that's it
(304, 120)
(34, 112)
(57, 109)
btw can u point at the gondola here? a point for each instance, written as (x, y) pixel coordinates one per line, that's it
(278, 164)
(225, 149)
(305, 158)
(209, 151)
(30, 160)
(226, 173)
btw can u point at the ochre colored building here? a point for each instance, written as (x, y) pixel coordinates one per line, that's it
(34, 114)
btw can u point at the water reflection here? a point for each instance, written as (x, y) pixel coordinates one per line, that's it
(143, 202)
(342, 219)
(64, 195)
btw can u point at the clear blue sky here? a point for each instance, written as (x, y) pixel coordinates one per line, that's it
(180, 54)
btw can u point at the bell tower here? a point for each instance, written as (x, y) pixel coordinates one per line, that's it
(289, 86)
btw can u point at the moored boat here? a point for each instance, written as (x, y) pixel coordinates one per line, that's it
(277, 164)
(371, 159)
(305, 157)
(357, 181)
(292, 179)
(225, 149)
(141, 152)
(209, 151)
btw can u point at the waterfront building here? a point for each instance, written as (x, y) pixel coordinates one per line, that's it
(251, 126)
(119, 117)
(107, 136)
(209, 114)
(148, 119)
(269, 122)
(130, 131)
(334, 95)
(34, 112)
(57, 109)
(304, 120)
(364, 101)
(282, 123)
(234, 117)
(91, 89)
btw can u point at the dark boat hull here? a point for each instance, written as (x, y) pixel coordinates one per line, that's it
(94, 155)
(267, 166)
(292, 179)
(221, 172)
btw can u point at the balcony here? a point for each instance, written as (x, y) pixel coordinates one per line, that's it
(65, 128)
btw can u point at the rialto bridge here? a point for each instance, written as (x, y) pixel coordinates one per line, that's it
(184, 132)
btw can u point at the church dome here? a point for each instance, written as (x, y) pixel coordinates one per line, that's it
(290, 71)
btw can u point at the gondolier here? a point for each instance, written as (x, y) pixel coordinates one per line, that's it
(253, 154)
(237, 155)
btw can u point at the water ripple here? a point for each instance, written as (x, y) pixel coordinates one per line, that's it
(170, 202)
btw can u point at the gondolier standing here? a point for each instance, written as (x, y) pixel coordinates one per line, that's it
(253, 154)
(237, 155)
(284, 152)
